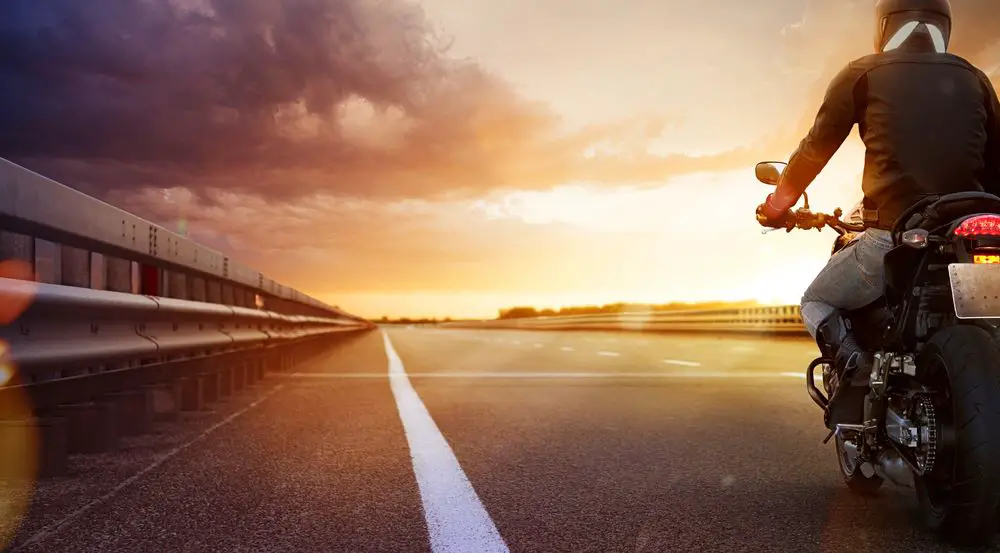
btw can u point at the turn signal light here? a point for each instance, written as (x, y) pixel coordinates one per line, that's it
(915, 238)
(980, 225)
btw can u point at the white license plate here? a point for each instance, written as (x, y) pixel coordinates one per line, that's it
(975, 289)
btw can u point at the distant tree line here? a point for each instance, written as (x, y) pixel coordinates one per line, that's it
(409, 321)
(528, 312)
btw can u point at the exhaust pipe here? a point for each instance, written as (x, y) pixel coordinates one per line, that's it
(889, 465)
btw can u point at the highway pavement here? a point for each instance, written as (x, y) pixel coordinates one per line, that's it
(479, 441)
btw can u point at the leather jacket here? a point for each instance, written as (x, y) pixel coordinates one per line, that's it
(930, 123)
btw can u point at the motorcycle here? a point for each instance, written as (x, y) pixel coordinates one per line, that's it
(931, 407)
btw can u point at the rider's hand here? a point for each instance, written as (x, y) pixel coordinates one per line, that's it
(766, 216)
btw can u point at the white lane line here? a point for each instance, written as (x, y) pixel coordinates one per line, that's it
(59, 525)
(681, 363)
(608, 353)
(516, 342)
(539, 345)
(566, 348)
(802, 375)
(456, 519)
(531, 375)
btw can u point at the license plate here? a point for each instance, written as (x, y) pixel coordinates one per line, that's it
(975, 289)
(986, 258)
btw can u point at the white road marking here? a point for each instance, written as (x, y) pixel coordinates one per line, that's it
(682, 363)
(456, 519)
(802, 375)
(516, 342)
(531, 375)
(566, 348)
(59, 525)
(608, 353)
(539, 345)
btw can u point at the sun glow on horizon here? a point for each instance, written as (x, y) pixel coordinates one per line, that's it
(690, 239)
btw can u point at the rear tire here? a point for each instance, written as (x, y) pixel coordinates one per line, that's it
(960, 497)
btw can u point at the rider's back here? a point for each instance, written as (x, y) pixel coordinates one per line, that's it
(924, 119)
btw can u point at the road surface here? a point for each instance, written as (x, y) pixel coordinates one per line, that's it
(476, 441)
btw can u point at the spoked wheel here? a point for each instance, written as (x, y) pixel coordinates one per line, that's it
(851, 467)
(959, 494)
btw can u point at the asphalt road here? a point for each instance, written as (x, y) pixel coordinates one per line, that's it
(484, 441)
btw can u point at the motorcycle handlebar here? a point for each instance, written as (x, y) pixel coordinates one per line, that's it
(804, 219)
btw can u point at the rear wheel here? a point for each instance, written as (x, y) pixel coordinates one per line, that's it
(960, 495)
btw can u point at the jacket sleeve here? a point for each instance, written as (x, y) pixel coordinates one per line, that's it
(991, 157)
(833, 124)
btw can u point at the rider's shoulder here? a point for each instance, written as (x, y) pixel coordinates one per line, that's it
(870, 61)
(854, 69)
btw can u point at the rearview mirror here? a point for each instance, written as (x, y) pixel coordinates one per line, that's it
(769, 172)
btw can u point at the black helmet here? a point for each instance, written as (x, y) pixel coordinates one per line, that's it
(892, 15)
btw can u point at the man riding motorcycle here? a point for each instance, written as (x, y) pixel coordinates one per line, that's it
(930, 122)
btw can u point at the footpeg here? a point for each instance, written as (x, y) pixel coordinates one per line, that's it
(841, 427)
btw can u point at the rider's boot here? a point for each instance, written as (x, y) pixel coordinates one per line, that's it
(851, 371)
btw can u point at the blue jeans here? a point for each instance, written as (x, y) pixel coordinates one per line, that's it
(851, 279)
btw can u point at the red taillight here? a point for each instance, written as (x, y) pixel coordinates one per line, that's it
(981, 225)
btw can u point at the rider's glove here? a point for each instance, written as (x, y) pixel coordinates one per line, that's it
(767, 216)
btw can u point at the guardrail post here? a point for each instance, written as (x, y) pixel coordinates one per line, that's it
(18, 247)
(228, 294)
(192, 393)
(135, 411)
(33, 448)
(259, 368)
(167, 400)
(119, 274)
(91, 427)
(213, 291)
(176, 284)
(249, 374)
(239, 375)
(226, 381)
(210, 386)
(196, 288)
(75, 267)
(48, 262)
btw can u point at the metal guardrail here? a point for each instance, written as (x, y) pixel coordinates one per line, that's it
(116, 310)
(72, 239)
(782, 319)
(64, 329)
(74, 357)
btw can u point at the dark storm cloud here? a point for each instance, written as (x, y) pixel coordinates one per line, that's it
(130, 92)
(286, 98)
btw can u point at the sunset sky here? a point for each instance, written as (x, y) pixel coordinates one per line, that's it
(452, 157)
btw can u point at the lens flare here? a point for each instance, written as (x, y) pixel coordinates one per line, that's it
(6, 366)
(19, 447)
(17, 293)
